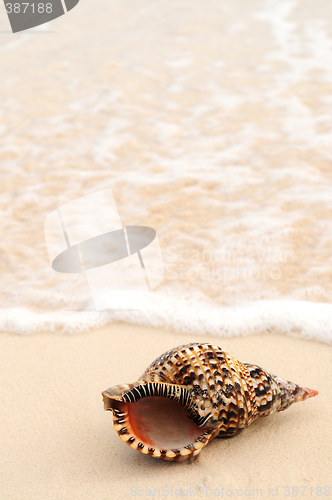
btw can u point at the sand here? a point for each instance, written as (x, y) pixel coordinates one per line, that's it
(58, 443)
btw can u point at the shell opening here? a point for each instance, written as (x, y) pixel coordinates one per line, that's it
(163, 423)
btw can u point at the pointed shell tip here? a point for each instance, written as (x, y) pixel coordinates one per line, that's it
(311, 392)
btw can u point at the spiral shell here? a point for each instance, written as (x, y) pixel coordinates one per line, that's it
(191, 394)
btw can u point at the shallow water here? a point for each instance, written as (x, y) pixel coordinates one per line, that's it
(211, 122)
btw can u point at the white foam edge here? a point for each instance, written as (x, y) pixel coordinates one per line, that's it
(304, 319)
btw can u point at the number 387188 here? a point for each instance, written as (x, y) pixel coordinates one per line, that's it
(24, 8)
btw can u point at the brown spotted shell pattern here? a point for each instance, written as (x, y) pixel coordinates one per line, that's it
(191, 394)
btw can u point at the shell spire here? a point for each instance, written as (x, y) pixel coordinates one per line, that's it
(191, 394)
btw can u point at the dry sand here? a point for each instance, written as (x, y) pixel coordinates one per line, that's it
(58, 443)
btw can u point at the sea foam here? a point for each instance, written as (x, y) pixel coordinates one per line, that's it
(210, 125)
(307, 320)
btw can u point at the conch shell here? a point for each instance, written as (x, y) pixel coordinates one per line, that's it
(191, 394)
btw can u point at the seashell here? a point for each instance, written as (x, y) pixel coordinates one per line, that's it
(191, 394)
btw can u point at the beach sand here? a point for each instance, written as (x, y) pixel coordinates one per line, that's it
(58, 443)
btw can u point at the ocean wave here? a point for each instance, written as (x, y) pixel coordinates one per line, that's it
(307, 320)
(212, 126)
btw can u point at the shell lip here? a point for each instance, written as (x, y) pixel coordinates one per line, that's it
(135, 434)
(156, 425)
